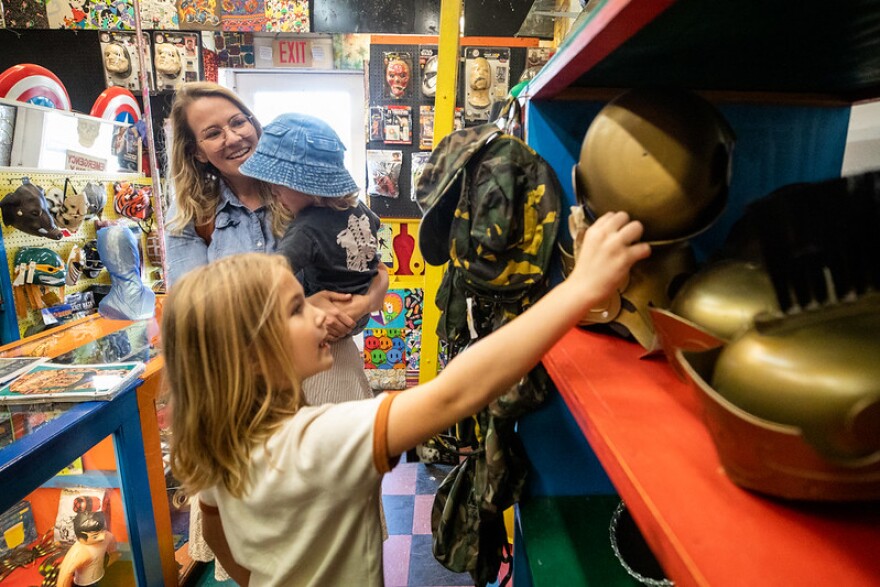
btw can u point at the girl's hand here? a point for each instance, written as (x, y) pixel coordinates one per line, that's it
(611, 246)
(334, 305)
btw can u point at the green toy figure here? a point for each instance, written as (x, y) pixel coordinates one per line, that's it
(84, 563)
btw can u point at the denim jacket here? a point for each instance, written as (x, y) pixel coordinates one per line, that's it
(236, 230)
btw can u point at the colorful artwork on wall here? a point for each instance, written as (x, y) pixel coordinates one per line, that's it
(287, 16)
(243, 15)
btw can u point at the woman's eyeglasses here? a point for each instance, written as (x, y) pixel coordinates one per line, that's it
(217, 134)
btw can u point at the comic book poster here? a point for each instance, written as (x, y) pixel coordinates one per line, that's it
(385, 235)
(176, 58)
(119, 56)
(49, 382)
(398, 74)
(160, 15)
(418, 161)
(198, 15)
(428, 70)
(397, 126)
(288, 16)
(383, 173)
(25, 14)
(243, 15)
(486, 80)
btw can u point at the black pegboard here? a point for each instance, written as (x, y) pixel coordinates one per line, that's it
(73, 56)
(403, 206)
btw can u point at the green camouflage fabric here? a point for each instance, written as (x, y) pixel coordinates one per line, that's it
(505, 225)
(467, 519)
(439, 187)
(500, 237)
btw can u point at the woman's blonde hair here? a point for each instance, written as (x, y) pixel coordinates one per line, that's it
(197, 184)
(226, 345)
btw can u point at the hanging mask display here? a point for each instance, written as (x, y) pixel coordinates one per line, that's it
(68, 208)
(75, 261)
(398, 71)
(96, 199)
(26, 209)
(118, 50)
(37, 269)
(92, 265)
(487, 74)
(428, 64)
(132, 201)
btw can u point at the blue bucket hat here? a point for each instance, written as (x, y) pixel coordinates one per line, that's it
(303, 153)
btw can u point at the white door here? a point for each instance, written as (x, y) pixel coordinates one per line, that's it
(334, 96)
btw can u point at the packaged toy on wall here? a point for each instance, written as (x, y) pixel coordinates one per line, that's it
(383, 173)
(176, 58)
(121, 66)
(486, 80)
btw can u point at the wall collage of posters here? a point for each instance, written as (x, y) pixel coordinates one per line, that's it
(170, 15)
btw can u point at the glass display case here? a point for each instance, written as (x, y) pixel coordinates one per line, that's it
(98, 447)
(116, 444)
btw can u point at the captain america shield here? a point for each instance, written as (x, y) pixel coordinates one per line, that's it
(117, 104)
(34, 84)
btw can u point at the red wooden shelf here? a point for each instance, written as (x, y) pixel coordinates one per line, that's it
(703, 529)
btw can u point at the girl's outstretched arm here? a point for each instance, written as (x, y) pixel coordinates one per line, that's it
(488, 368)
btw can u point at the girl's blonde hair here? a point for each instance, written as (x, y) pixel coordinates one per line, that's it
(226, 346)
(197, 184)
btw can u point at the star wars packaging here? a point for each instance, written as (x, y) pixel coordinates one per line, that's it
(176, 59)
(487, 80)
(377, 121)
(397, 126)
(121, 65)
(383, 173)
(426, 125)
(398, 74)
(74, 500)
(428, 58)
(417, 163)
(17, 527)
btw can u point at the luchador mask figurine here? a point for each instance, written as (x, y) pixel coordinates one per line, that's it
(397, 76)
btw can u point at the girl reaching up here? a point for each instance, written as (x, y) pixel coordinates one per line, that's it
(290, 492)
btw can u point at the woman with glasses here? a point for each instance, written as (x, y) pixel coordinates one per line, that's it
(217, 211)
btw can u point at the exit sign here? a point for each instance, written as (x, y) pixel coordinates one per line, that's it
(291, 53)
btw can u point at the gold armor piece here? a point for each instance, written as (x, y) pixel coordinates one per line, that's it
(725, 297)
(818, 371)
(662, 156)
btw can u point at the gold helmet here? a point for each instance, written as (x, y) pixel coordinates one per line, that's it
(793, 404)
(725, 297)
(663, 156)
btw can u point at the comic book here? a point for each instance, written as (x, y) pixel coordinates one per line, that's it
(10, 368)
(50, 382)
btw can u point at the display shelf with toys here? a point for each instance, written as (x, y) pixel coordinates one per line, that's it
(96, 339)
(624, 416)
(69, 264)
(45, 523)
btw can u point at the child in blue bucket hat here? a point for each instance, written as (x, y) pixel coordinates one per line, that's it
(332, 242)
